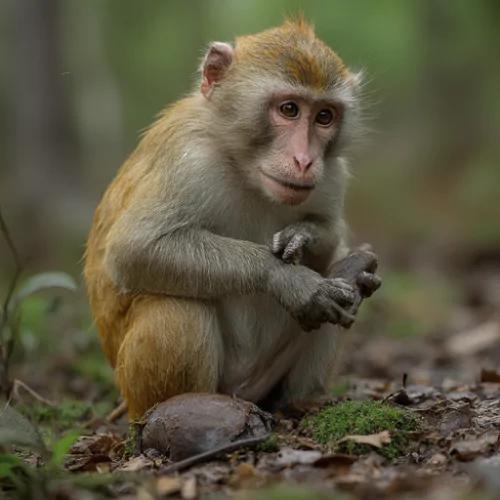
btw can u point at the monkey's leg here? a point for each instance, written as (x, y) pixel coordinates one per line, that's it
(172, 346)
(309, 377)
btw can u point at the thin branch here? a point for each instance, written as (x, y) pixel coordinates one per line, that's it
(19, 384)
(118, 412)
(7, 345)
(207, 455)
(17, 271)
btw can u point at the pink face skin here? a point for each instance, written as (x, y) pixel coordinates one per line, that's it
(303, 128)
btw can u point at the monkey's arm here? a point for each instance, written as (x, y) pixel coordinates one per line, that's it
(152, 254)
(189, 262)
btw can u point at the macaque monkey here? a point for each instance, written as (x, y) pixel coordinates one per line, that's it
(207, 263)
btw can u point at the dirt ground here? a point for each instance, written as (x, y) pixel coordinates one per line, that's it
(428, 343)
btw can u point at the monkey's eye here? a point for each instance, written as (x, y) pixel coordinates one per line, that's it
(289, 110)
(325, 117)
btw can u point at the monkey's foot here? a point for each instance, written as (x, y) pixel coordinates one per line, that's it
(357, 269)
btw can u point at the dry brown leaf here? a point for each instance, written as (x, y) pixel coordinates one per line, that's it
(136, 464)
(189, 489)
(168, 485)
(245, 476)
(474, 341)
(350, 480)
(437, 459)
(102, 444)
(492, 376)
(287, 457)
(103, 468)
(377, 440)
(245, 470)
(336, 460)
(87, 463)
(457, 418)
(144, 494)
(469, 449)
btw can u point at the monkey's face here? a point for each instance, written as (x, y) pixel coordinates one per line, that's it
(302, 129)
(278, 102)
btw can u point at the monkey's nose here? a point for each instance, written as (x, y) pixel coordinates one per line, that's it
(303, 162)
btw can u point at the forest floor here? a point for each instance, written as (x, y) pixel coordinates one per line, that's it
(428, 345)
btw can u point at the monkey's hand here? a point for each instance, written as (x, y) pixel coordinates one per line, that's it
(358, 269)
(311, 299)
(290, 243)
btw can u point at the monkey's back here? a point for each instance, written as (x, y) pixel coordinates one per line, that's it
(138, 177)
(109, 308)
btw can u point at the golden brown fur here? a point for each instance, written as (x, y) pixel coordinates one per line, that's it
(185, 293)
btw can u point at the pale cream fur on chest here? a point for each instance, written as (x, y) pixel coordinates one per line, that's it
(255, 328)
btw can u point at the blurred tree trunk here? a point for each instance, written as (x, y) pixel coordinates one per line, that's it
(453, 86)
(98, 100)
(44, 149)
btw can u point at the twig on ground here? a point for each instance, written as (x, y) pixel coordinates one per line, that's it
(7, 345)
(17, 384)
(118, 412)
(202, 457)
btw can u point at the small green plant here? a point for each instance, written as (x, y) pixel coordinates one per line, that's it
(134, 438)
(130, 442)
(61, 447)
(269, 446)
(15, 475)
(11, 306)
(332, 424)
(65, 415)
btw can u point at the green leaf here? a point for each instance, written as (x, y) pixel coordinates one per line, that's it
(42, 281)
(62, 446)
(17, 430)
(8, 465)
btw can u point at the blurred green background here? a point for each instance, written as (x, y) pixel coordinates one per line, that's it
(80, 80)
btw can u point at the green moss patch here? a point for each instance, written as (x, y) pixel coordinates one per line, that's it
(332, 424)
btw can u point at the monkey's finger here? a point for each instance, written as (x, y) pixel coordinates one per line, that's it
(309, 324)
(368, 283)
(342, 284)
(294, 251)
(341, 316)
(343, 296)
(279, 243)
(364, 247)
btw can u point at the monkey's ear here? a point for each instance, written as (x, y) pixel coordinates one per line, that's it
(215, 64)
(356, 79)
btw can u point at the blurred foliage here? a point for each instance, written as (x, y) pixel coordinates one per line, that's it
(428, 175)
(66, 415)
(424, 190)
(409, 305)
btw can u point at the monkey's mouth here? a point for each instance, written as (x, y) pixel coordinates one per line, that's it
(286, 191)
(296, 186)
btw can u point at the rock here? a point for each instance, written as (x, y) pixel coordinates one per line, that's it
(194, 423)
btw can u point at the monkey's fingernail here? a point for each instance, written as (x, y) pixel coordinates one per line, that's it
(369, 283)
(292, 255)
(276, 245)
(364, 247)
